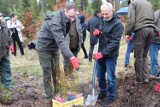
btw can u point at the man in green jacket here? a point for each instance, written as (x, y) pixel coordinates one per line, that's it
(141, 22)
(51, 39)
(74, 39)
(5, 45)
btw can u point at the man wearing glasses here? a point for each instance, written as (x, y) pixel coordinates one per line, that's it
(52, 38)
(109, 32)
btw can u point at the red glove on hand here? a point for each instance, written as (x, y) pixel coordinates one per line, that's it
(158, 33)
(75, 63)
(11, 47)
(129, 38)
(96, 32)
(97, 56)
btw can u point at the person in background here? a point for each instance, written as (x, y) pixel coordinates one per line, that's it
(129, 41)
(129, 49)
(154, 48)
(141, 22)
(5, 45)
(109, 31)
(52, 38)
(16, 27)
(84, 27)
(74, 40)
(92, 23)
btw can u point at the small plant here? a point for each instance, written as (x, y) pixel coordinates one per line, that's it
(20, 90)
(5, 96)
(64, 84)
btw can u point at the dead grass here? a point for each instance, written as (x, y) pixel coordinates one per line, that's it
(27, 73)
(30, 64)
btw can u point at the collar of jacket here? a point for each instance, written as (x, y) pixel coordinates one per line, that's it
(95, 15)
(64, 17)
(113, 17)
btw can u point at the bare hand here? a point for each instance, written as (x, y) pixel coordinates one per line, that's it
(19, 26)
(126, 37)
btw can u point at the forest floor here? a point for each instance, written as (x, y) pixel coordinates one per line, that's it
(28, 88)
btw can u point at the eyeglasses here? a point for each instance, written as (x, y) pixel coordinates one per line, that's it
(105, 14)
(71, 17)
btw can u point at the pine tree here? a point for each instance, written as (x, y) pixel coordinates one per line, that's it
(5, 7)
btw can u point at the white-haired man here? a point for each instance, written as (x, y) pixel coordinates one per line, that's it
(109, 32)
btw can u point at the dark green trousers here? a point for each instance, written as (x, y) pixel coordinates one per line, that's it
(5, 72)
(142, 41)
(50, 65)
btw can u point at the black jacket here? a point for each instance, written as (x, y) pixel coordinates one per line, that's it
(92, 23)
(84, 26)
(156, 38)
(109, 41)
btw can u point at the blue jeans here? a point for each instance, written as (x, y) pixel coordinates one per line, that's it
(128, 52)
(107, 65)
(153, 52)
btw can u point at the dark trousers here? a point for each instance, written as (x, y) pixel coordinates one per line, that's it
(15, 39)
(50, 66)
(5, 72)
(142, 41)
(91, 52)
(84, 50)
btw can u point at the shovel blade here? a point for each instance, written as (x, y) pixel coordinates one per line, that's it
(91, 100)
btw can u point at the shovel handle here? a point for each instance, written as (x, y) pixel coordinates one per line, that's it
(94, 71)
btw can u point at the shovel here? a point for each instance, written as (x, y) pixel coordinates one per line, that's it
(92, 99)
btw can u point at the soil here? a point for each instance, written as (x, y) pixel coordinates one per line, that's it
(131, 95)
(28, 92)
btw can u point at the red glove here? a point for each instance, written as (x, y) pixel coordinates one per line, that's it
(96, 32)
(75, 63)
(130, 38)
(97, 56)
(11, 47)
(158, 33)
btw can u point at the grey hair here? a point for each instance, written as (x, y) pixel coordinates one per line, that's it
(109, 5)
(70, 5)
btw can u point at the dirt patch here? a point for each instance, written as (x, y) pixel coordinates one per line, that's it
(29, 92)
(28, 86)
(129, 94)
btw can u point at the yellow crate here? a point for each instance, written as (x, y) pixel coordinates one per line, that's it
(78, 101)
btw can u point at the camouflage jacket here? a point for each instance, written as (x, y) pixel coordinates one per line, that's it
(5, 40)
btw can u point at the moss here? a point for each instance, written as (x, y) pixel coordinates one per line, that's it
(5, 96)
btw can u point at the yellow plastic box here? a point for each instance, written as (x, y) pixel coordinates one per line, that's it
(78, 101)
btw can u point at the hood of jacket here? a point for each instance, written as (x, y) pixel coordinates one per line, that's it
(81, 18)
(95, 15)
(49, 15)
